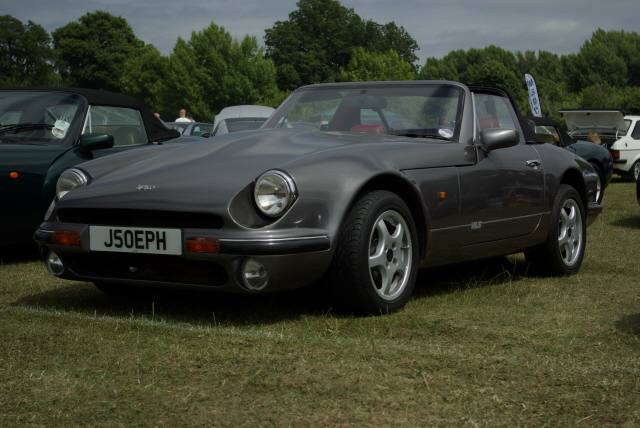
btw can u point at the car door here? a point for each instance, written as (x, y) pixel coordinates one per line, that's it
(501, 195)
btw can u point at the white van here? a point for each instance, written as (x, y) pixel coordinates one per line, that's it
(621, 135)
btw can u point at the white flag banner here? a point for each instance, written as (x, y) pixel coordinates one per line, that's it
(534, 100)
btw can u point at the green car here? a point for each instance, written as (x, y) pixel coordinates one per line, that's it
(44, 131)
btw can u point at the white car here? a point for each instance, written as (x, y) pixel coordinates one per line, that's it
(252, 115)
(626, 151)
(621, 135)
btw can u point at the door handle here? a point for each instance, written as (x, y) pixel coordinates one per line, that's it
(534, 163)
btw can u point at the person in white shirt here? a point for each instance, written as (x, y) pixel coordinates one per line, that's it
(182, 118)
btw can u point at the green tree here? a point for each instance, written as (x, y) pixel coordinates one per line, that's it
(93, 51)
(372, 66)
(318, 40)
(212, 71)
(144, 77)
(463, 66)
(610, 58)
(603, 96)
(492, 66)
(382, 38)
(26, 55)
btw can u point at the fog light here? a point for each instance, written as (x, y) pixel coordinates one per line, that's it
(54, 264)
(254, 275)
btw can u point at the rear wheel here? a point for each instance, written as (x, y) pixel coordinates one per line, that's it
(633, 173)
(635, 170)
(374, 267)
(563, 251)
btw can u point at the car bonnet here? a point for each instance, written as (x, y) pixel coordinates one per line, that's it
(199, 176)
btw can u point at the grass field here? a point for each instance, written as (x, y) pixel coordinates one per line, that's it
(479, 345)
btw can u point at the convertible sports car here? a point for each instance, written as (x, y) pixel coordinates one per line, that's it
(597, 155)
(357, 208)
(44, 131)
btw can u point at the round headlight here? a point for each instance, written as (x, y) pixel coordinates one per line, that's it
(275, 192)
(69, 180)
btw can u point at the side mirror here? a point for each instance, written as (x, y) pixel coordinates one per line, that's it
(90, 142)
(497, 138)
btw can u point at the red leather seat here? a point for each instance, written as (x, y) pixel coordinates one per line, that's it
(370, 129)
(488, 122)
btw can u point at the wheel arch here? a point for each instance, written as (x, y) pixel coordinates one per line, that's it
(409, 195)
(576, 180)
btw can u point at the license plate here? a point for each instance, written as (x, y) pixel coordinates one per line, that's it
(135, 240)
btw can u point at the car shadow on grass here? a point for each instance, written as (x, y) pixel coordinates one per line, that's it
(206, 308)
(187, 306)
(631, 222)
(629, 324)
(465, 276)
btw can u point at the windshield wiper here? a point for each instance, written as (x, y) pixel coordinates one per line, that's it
(414, 135)
(24, 126)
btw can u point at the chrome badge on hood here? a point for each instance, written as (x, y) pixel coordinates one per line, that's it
(145, 187)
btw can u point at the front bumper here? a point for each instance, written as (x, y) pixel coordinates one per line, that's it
(291, 261)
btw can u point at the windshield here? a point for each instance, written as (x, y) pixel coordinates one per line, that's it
(39, 117)
(411, 110)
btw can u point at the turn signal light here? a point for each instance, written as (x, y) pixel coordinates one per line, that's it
(65, 237)
(13, 175)
(203, 245)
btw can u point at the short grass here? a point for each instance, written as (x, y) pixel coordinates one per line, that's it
(480, 345)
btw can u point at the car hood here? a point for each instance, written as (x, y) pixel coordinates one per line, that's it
(604, 120)
(207, 174)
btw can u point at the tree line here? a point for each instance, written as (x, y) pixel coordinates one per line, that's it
(322, 41)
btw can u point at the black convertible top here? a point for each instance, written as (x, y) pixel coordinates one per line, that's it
(542, 121)
(156, 130)
(545, 121)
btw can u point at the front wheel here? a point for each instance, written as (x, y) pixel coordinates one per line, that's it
(599, 183)
(374, 268)
(563, 251)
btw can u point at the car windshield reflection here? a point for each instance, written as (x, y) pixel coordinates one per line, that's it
(38, 117)
(429, 110)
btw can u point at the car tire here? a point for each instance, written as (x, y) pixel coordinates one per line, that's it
(600, 184)
(634, 171)
(563, 251)
(374, 267)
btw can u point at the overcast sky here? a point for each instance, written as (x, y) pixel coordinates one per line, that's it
(439, 26)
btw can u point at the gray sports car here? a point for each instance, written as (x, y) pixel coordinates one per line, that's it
(357, 208)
